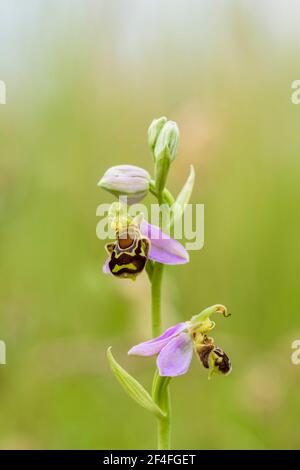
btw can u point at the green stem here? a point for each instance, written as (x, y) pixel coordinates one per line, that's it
(156, 281)
(165, 197)
(161, 395)
(160, 389)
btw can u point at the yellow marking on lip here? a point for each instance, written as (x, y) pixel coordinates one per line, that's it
(118, 268)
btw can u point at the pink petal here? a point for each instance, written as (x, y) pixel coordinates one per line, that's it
(175, 358)
(154, 346)
(163, 248)
(105, 267)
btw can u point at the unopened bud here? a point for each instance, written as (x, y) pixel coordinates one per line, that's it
(126, 180)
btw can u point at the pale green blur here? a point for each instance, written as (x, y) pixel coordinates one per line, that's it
(84, 81)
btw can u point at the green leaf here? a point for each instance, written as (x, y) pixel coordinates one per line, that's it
(159, 387)
(183, 198)
(133, 388)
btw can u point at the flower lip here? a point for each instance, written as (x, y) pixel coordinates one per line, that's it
(163, 248)
(222, 361)
(204, 353)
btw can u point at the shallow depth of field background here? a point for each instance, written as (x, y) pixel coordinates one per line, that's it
(84, 80)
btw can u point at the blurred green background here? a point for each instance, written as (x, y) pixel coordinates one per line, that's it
(84, 80)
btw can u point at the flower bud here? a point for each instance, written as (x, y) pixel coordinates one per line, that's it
(163, 138)
(154, 130)
(126, 180)
(168, 138)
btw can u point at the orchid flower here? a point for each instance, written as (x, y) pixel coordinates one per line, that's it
(176, 345)
(135, 244)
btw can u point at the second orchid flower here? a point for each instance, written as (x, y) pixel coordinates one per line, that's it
(176, 345)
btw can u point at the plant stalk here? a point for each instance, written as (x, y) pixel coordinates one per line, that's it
(161, 396)
(161, 393)
(160, 389)
(156, 283)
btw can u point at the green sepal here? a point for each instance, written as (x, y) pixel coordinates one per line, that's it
(133, 388)
(154, 130)
(162, 165)
(169, 135)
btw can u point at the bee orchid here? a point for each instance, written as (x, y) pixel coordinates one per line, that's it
(135, 244)
(176, 345)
